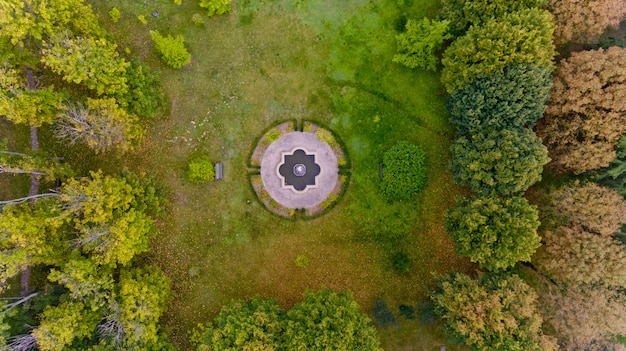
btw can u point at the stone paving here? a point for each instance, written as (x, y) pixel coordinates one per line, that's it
(325, 182)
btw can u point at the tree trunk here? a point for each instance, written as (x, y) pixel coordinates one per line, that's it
(34, 180)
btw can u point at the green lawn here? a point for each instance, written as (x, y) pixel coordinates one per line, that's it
(323, 60)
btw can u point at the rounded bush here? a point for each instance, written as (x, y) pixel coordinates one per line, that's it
(405, 171)
(200, 170)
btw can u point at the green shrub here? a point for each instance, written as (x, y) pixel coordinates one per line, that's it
(144, 96)
(302, 261)
(327, 137)
(272, 135)
(216, 7)
(401, 262)
(115, 15)
(178, 2)
(172, 49)
(405, 171)
(201, 170)
(417, 46)
(142, 19)
(197, 19)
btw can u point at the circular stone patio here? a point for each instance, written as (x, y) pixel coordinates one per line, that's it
(274, 182)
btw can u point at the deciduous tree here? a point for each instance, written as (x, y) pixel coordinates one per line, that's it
(495, 232)
(100, 124)
(523, 37)
(510, 99)
(418, 45)
(582, 21)
(93, 62)
(61, 325)
(586, 114)
(329, 321)
(491, 312)
(21, 20)
(132, 320)
(255, 324)
(575, 256)
(23, 106)
(506, 161)
(107, 226)
(594, 208)
(585, 317)
(464, 13)
(28, 235)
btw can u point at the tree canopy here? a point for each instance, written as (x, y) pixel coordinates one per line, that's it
(255, 324)
(491, 312)
(100, 124)
(594, 208)
(573, 255)
(506, 161)
(523, 37)
(417, 46)
(326, 320)
(464, 13)
(585, 317)
(510, 99)
(583, 21)
(172, 49)
(586, 114)
(94, 62)
(495, 232)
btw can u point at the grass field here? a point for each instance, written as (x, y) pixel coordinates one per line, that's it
(273, 60)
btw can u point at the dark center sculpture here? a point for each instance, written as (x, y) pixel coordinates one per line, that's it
(299, 169)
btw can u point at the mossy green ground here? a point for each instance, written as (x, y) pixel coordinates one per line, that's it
(322, 60)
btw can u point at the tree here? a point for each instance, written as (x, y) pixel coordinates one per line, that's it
(594, 208)
(100, 124)
(144, 96)
(582, 21)
(495, 232)
(87, 281)
(463, 13)
(216, 7)
(584, 317)
(23, 106)
(131, 323)
(405, 171)
(106, 225)
(574, 256)
(328, 321)
(28, 235)
(418, 45)
(586, 114)
(255, 324)
(21, 20)
(505, 161)
(171, 49)
(523, 38)
(589, 80)
(511, 99)
(60, 325)
(491, 312)
(94, 62)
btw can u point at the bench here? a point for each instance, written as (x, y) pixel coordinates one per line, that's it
(380, 170)
(219, 171)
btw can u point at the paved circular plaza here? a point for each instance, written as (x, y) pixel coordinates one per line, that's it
(286, 188)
